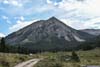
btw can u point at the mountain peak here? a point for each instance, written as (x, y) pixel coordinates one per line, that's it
(53, 18)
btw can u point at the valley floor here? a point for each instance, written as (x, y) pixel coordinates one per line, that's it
(58, 59)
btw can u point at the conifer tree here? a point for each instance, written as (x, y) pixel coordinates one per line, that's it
(75, 57)
(2, 45)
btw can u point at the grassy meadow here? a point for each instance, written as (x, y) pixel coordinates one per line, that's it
(10, 60)
(91, 57)
(58, 59)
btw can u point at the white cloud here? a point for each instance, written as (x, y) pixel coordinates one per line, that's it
(7, 19)
(52, 2)
(80, 15)
(21, 18)
(92, 7)
(66, 5)
(2, 35)
(93, 23)
(9, 22)
(89, 24)
(89, 7)
(20, 24)
(73, 23)
(23, 8)
(13, 3)
(6, 2)
(49, 2)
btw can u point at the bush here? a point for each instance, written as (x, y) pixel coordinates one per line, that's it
(4, 63)
(58, 65)
(22, 59)
(75, 57)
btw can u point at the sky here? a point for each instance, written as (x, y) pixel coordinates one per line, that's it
(79, 14)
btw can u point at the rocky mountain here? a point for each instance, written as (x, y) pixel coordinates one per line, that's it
(51, 33)
(95, 32)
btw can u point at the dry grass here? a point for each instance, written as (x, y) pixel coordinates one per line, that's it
(91, 57)
(9, 60)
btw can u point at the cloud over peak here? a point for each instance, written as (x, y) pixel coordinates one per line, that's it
(20, 24)
(2, 35)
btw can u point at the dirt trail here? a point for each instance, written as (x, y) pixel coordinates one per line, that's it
(29, 63)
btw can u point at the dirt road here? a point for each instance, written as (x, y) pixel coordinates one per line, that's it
(29, 63)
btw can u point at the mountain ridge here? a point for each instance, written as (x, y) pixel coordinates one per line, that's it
(95, 32)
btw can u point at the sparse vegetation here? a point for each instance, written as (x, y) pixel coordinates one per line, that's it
(10, 60)
(50, 59)
(91, 57)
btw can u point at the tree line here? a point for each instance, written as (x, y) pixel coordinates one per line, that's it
(6, 48)
(52, 46)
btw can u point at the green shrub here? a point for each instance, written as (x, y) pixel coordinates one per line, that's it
(75, 57)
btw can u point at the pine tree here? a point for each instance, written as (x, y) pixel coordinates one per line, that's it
(2, 45)
(75, 57)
